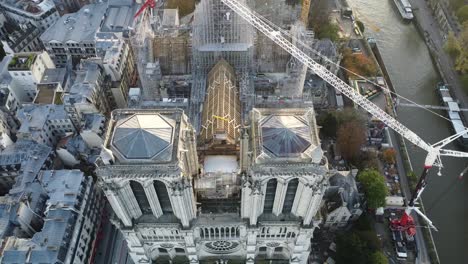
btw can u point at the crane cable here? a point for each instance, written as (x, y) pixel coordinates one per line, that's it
(271, 24)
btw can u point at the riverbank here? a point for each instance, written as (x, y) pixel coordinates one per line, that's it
(434, 37)
(405, 166)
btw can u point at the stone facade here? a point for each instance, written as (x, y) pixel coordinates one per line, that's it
(159, 210)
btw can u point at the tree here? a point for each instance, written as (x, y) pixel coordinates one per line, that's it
(412, 179)
(462, 14)
(358, 63)
(329, 124)
(461, 63)
(330, 121)
(367, 160)
(374, 187)
(360, 25)
(328, 31)
(456, 4)
(452, 46)
(351, 249)
(350, 138)
(320, 22)
(464, 81)
(389, 155)
(378, 258)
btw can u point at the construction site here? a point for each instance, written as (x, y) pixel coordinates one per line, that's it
(177, 47)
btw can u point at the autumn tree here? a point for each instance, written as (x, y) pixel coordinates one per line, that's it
(389, 155)
(452, 46)
(374, 187)
(350, 139)
(330, 121)
(358, 63)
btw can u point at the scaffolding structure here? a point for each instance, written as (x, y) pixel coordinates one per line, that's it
(218, 33)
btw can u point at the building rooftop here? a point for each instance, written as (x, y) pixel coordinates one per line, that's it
(93, 122)
(76, 27)
(289, 133)
(34, 7)
(22, 61)
(119, 16)
(27, 157)
(143, 136)
(285, 135)
(33, 117)
(51, 244)
(55, 75)
(47, 94)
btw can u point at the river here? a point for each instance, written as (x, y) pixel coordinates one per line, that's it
(414, 76)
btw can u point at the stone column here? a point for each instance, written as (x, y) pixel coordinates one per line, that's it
(304, 193)
(251, 246)
(245, 198)
(313, 208)
(131, 202)
(191, 247)
(300, 252)
(118, 207)
(179, 204)
(153, 199)
(281, 188)
(297, 198)
(256, 201)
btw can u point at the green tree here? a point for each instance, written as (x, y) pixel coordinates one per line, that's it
(329, 124)
(328, 31)
(456, 4)
(360, 25)
(374, 187)
(412, 179)
(350, 249)
(464, 81)
(452, 46)
(462, 14)
(378, 258)
(461, 63)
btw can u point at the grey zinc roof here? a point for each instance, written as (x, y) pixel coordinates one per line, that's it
(142, 136)
(285, 136)
(77, 27)
(118, 18)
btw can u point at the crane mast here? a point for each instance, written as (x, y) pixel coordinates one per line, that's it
(433, 151)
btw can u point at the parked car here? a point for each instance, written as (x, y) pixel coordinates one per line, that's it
(401, 251)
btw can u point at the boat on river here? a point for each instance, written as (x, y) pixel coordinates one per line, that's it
(457, 123)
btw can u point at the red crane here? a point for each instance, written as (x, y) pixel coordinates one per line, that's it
(148, 3)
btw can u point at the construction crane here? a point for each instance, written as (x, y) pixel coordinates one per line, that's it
(146, 4)
(434, 152)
